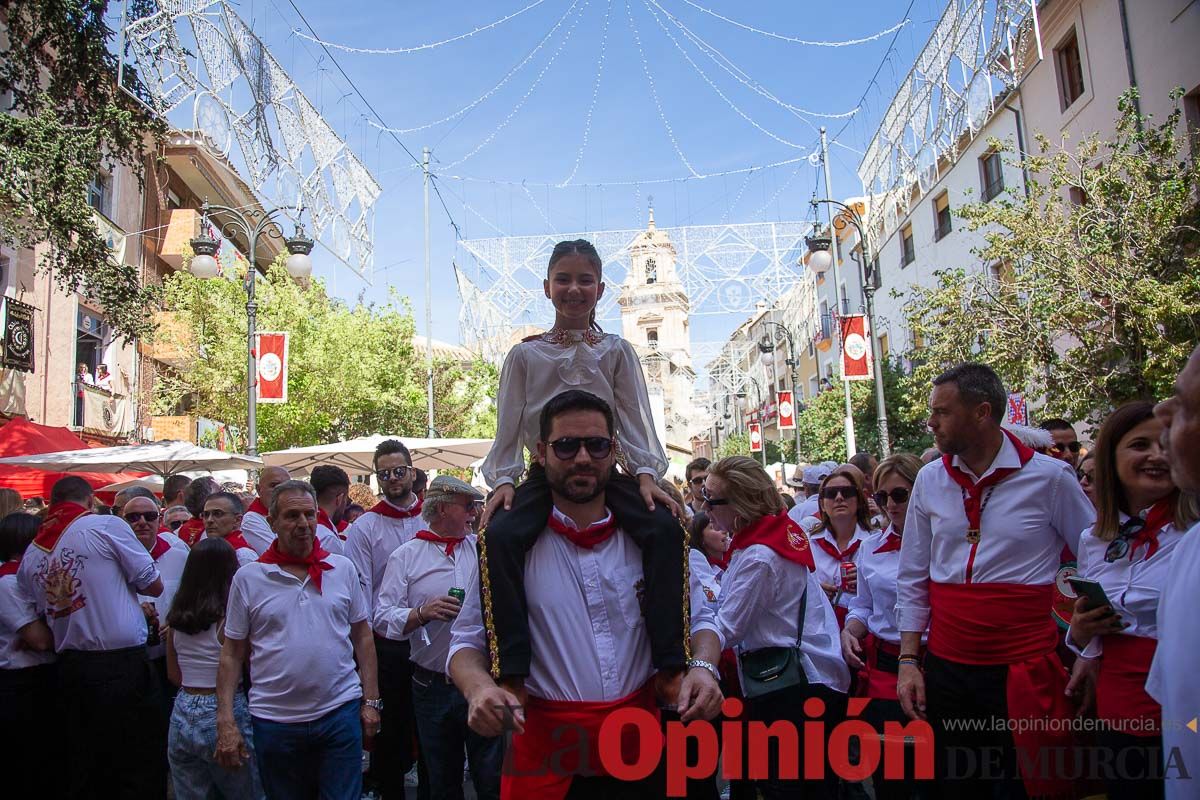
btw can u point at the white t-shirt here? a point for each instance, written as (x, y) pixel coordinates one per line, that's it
(16, 611)
(371, 540)
(301, 657)
(255, 528)
(170, 568)
(87, 586)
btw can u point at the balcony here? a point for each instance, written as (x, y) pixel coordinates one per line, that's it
(183, 224)
(103, 413)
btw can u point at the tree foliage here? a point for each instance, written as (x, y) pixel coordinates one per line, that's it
(68, 121)
(352, 371)
(1096, 302)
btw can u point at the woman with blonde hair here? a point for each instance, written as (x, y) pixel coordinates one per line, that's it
(1141, 515)
(764, 611)
(845, 524)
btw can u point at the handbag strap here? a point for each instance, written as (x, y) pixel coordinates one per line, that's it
(803, 608)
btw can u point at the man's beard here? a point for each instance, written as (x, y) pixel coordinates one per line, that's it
(562, 483)
(396, 496)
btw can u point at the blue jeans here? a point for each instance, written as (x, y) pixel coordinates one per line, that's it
(318, 759)
(190, 745)
(441, 713)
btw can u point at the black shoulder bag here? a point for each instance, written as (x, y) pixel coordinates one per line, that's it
(771, 669)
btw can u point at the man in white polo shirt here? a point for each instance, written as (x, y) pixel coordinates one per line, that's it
(255, 526)
(423, 588)
(300, 614)
(370, 541)
(84, 572)
(223, 520)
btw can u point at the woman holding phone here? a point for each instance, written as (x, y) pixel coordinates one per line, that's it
(1141, 516)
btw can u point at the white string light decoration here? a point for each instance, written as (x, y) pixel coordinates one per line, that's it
(587, 122)
(795, 40)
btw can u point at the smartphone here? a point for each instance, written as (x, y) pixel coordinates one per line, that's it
(1092, 590)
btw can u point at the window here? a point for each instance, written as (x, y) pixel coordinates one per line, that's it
(1191, 118)
(992, 171)
(1077, 196)
(652, 337)
(99, 193)
(1069, 66)
(883, 346)
(908, 248)
(942, 224)
(651, 271)
(845, 300)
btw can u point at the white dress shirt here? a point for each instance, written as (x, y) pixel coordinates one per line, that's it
(370, 542)
(1133, 587)
(301, 656)
(16, 611)
(759, 606)
(86, 587)
(417, 572)
(586, 629)
(537, 370)
(170, 569)
(257, 531)
(875, 604)
(1172, 678)
(1027, 519)
(808, 507)
(829, 569)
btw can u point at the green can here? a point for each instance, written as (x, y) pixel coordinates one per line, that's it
(458, 594)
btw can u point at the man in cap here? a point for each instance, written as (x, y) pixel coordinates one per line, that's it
(811, 505)
(423, 589)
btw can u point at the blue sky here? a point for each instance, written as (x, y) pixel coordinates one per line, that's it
(537, 131)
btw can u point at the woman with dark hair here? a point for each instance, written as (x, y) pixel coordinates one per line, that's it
(1087, 475)
(352, 512)
(196, 631)
(845, 524)
(1140, 518)
(708, 557)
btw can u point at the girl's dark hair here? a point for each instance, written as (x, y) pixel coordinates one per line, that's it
(579, 247)
(204, 587)
(16, 532)
(696, 531)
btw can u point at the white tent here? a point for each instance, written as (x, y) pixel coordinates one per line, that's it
(356, 456)
(159, 458)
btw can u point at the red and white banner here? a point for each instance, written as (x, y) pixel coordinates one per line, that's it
(787, 411)
(1018, 409)
(856, 352)
(272, 364)
(756, 440)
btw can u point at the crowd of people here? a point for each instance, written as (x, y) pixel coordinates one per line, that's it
(306, 641)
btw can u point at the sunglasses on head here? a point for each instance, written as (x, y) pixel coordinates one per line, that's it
(568, 446)
(136, 516)
(845, 492)
(898, 495)
(396, 473)
(1059, 447)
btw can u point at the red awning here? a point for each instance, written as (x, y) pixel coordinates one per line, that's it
(20, 437)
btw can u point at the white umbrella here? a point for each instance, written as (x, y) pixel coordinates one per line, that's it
(155, 482)
(159, 458)
(356, 455)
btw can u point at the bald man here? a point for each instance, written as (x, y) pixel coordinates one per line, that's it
(255, 529)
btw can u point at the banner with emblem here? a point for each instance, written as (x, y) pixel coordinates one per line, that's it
(756, 440)
(787, 410)
(856, 353)
(16, 348)
(1018, 409)
(272, 351)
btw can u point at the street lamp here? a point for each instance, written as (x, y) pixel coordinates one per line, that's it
(251, 224)
(868, 280)
(766, 348)
(743, 401)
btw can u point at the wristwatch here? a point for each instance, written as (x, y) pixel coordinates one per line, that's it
(712, 668)
(375, 704)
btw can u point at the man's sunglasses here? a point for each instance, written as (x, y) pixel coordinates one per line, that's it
(899, 495)
(396, 473)
(136, 516)
(698, 480)
(1059, 447)
(845, 492)
(175, 524)
(212, 513)
(597, 446)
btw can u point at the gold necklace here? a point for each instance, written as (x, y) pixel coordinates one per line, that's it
(565, 336)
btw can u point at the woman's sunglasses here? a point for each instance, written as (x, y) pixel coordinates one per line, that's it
(568, 446)
(1118, 548)
(898, 495)
(845, 492)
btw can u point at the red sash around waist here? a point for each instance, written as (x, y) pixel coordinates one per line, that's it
(1121, 697)
(880, 678)
(545, 757)
(1007, 623)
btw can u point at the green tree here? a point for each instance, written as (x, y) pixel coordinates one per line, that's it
(68, 120)
(352, 371)
(1097, 300)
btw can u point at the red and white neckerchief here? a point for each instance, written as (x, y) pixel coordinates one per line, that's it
(973, 492)
(58, 517)
(839, 555)
(258, 508)
(448, 542)
(161, 546)
(1161, 514)
(386, 509)
(891, 544)
(590, 536)
(314, 562)
(237, 541)
(780, 533)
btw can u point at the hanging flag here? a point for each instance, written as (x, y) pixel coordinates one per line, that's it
(756, 440)
(856, 353)
(16, 347)
(1018, 409)
(787, 411)
(272, 353)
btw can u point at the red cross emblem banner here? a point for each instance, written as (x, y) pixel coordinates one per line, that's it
(756, 440)
(856, 353)
(787, 411)
(272, 362)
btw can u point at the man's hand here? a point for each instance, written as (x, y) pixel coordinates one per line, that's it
(371, 722)
(443, 609)
(699, 695)
(231, 750)
(491, 711)
(503, 496)
(910, 688)
(852, 650)
(1082, 686)
(651, 492)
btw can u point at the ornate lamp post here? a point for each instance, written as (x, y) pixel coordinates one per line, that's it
(766, 348)
(742, 401)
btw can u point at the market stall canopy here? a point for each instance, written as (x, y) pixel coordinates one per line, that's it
(21, 438)
(356, 455)
(158, 458)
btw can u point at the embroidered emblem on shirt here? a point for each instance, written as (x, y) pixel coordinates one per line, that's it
(59, 578)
